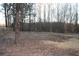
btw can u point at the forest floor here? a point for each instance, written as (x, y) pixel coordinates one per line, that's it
(39, 44)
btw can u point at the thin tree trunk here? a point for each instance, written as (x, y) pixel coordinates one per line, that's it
(5, 15)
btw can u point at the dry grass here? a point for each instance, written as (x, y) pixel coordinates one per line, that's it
(41, 44)
(72, 43)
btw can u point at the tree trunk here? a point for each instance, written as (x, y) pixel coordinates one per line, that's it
(17, 24)
(5, 15)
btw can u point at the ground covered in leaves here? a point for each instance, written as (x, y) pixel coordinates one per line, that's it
(39, 44)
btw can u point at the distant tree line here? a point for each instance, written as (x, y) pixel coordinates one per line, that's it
(42, 17)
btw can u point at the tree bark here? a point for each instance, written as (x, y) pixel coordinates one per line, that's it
(17, 23)
(5, 14)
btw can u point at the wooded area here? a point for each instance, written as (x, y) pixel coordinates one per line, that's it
(43, 17)
(40, 29)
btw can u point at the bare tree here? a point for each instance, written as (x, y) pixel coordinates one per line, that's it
(5, 9)
(39, 16)
(17, 24)
(58, 12)
(49, 20)
(76, 15)
(76, 18)
(44, 13)
(65, 9)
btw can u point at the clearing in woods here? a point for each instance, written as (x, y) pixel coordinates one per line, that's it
(39, 44)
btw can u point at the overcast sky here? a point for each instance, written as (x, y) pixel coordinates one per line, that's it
(2, 19)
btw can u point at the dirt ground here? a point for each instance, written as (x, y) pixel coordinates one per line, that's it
(39, 44)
